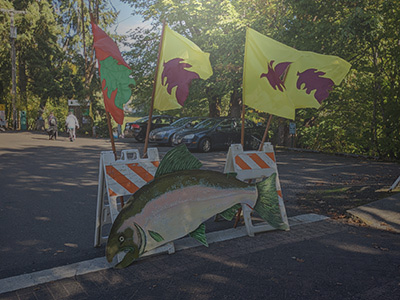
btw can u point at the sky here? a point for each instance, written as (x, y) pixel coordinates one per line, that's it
(125, 20)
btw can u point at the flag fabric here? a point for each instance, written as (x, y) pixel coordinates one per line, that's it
(114, 74)
(180, 62)
(278, 79)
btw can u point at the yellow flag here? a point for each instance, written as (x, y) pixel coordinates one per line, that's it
(278, 79)
(181, 61)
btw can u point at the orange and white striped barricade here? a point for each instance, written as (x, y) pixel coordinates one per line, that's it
(118, 180)
(252, 166)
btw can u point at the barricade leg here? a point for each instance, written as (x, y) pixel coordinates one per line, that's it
(100, 206)
(247, 220)
(395, 184)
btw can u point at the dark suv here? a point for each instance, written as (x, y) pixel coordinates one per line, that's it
(219, 133)
(138, 128)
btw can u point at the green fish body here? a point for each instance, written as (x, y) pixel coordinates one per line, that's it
(178, 203)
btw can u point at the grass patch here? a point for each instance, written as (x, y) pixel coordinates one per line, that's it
(334, 191)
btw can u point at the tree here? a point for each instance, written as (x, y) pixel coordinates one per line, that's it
(36, 49)
(78, 47)
(55, 53)
(5, 60)
(364, 112)
(214, 26)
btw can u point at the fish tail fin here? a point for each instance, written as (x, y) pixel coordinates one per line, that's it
(267, 205)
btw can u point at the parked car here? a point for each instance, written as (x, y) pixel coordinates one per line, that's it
(137, 129)
(219, 133)
(164, 135)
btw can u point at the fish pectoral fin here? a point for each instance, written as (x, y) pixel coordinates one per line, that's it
(230, 212)
(200, 234)
(156, 236)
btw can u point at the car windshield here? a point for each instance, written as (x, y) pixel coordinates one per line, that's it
(180, 122)
(142, 120)
(207, 124)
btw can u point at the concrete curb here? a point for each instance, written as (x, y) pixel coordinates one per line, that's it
(28, 280)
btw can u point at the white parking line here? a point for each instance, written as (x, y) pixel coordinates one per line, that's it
(27, 280)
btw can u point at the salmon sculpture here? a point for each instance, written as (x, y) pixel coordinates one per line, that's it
(179, 200)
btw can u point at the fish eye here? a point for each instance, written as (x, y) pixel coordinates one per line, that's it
(121, 239)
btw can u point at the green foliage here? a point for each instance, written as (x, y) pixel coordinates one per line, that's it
(362, 115)
(55, 57)
(214, 26)
(55, 61)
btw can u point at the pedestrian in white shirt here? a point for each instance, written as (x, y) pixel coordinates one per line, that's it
(72, 123)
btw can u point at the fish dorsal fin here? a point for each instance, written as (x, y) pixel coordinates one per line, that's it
(200, 234)
(177, 159)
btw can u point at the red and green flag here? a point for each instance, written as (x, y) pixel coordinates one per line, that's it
(115, 74)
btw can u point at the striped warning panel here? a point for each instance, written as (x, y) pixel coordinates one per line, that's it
(126, 179)
(255, 161)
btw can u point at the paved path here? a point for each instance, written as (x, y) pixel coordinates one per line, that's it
(381, 214)
(323, 260)
(47, 212)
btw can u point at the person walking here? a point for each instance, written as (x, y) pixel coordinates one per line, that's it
(72, 123)
(52, 130)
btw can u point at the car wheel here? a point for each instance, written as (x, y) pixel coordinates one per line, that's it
(205, 145)
(170, 143)
(140, 138)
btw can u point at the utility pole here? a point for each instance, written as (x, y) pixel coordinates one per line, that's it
(13, 37)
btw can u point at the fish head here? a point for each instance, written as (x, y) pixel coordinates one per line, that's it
(130, 240)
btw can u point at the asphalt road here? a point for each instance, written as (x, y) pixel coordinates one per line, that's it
(48, 192)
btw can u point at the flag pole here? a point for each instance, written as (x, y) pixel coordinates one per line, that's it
(265, 133)
(111, 135)
(270, 116)
(93, 19)
(243, 105)
(242, 130)
(146, 142)
(237, 219)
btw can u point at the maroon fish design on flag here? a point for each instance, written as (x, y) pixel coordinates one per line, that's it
(176, 75)
(312, 80)
(275, 75)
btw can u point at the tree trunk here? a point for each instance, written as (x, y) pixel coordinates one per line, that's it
(376, 96)
(235, 104)
(282, 138)
(23, 80)
(215, 106)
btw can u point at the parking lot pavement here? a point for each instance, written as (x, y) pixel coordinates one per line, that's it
(48, 209)
(323, 260)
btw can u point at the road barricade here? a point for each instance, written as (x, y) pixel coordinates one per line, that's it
(118, 180)
(253, 166)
